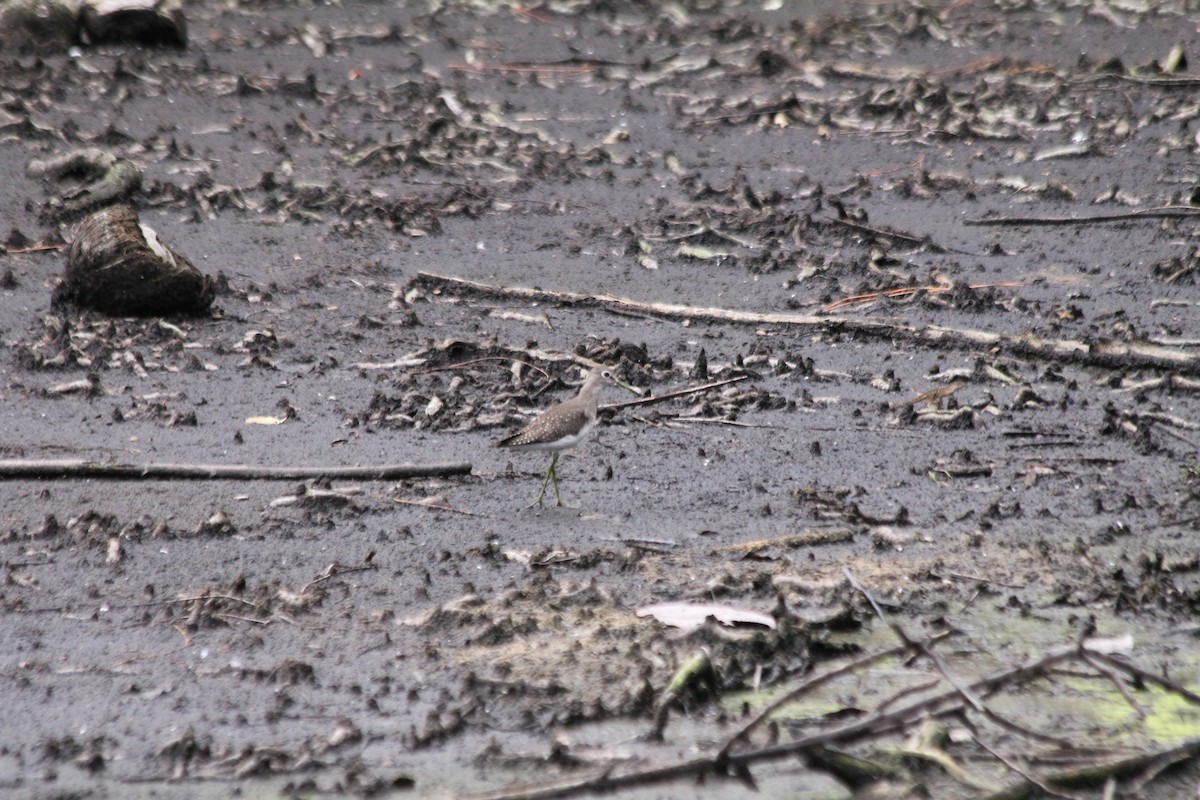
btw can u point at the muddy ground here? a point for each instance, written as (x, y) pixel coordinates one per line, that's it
(822, 167)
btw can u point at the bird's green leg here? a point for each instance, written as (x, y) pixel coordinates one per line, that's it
(550, 473)
(554, 476)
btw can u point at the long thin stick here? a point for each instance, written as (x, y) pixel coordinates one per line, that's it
(79, 468)
(1100, 353)
(677, 393)
(1166, 212)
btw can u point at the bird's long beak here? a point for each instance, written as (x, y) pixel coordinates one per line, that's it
(630, 387)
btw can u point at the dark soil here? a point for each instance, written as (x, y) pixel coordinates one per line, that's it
(1004, 424)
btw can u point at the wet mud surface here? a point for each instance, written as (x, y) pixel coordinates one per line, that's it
(869, 229)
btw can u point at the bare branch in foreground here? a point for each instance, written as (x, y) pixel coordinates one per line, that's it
(880, 722)
(80, 468)
(913, 644)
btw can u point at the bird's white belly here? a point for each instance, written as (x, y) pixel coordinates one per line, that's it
(563, 442)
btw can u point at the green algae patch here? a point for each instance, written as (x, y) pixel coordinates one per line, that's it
(1076, 702)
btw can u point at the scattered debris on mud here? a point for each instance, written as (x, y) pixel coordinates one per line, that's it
(908, 507)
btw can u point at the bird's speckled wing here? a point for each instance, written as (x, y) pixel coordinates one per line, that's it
(565, 428)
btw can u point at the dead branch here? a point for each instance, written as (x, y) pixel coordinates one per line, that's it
(482, 359)
(713, 421)
(1169, 81)
(793, 541)
(916, 646)
(804, 688)
(1118, 682)
(80, 468)
(1158, 762)
(432, 504)
(1164, 212)
(874, 724)
(1145, 675)
(1169, 382)
(1094, 774)
(916, 241)
(950, 702)
(908, 291)
(1031, 780)
(1107, 354)
(677, 393)
(335, 569)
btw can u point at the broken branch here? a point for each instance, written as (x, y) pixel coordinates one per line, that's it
(1108, 354)
(1165, 212)
(80, 468)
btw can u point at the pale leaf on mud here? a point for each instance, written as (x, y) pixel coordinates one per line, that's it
(689, 616)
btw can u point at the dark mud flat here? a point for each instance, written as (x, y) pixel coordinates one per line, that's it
(935, 264)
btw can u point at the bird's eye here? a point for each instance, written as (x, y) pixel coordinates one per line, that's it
(607, 373)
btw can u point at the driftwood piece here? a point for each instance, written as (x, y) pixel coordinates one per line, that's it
(118, 266)
(79, 468)
(1099, 353)
(147, 22)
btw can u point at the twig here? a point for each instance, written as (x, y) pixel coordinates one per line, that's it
(79, 468)
(37, 248)
(645, 401)
(792, 541)
(335, 569)
(1021, 730)
(803, 688)
(1028, 776)
(431, 506)
(1146, 675)
(903, 237)
(1145, 80)
(919, 647)
(1159, 762)
(905, 291)
(718, 421)
(1108, 354)
(1092, 774)
(1165, 212)
(1115, 679)
(480, 360)
(966, 577)
(906, 692)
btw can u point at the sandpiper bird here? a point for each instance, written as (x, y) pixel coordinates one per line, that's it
(564, 425)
